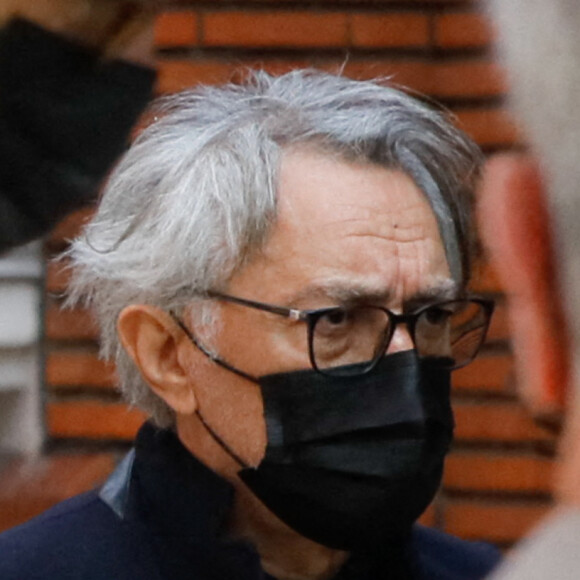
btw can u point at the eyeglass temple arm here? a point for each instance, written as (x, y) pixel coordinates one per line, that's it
(216, 359)
(292, 313)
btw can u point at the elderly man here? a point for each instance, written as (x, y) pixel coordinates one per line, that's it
(524, 206)
(279, 269)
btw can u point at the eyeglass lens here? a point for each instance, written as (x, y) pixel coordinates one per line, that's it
(450, 331)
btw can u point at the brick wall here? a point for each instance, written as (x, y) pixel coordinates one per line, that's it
(497, 482)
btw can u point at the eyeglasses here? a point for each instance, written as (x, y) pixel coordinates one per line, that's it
(350, 340)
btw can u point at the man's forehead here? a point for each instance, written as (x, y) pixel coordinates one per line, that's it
(313, 165)
(317, 189)
(346, 232)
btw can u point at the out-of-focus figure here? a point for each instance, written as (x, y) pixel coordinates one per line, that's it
(74, 77)
(530, 218)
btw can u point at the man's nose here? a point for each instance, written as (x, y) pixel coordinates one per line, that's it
(401, 340)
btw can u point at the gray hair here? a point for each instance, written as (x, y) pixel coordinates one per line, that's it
(540, 43)
(195, 196)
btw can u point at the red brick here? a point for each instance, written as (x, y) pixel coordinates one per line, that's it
(275, 29)
(462, 30)
(483, 472)
(30, 486)
(390, 30)
(503, 421)
(493, 521)
(374, 2)
(67, 324)
(93, 420)
(275, 66)
(428, 517)
(485, 373)
(57, 277)
(180, 74)
(468, 78)
(499, 329)
(74, 369)
(176, 29)
(70, 227)
(177, 75)
(415, 74)
(486, 279)
(457, 79)
(490, 127)
(54, 476)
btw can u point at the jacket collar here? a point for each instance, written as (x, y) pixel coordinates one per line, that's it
(161, 482)
(183, 505)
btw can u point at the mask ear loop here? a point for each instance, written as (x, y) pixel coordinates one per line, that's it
(228, 367)
(222, 443)
(222, 363)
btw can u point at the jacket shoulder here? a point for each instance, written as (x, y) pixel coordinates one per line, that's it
(78, 539)
(446, 557)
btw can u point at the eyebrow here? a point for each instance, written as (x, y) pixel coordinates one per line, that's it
(344, 293)
(447, 290)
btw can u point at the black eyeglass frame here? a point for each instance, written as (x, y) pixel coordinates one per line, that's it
(312, 316)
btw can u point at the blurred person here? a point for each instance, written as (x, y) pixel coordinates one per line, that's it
(280, 270)
(530, 221)
(74, 77)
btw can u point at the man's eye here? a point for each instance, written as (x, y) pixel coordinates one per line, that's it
(437, 316)
(333, 322)
(335, 317)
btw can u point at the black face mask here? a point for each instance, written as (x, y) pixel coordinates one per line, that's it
(352, 462)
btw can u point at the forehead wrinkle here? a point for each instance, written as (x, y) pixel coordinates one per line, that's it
(411, 239)
(391, 225)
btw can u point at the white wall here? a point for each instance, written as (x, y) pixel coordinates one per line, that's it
(21, 363)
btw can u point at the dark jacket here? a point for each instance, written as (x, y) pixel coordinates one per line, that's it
(161, 517)
(65, 117)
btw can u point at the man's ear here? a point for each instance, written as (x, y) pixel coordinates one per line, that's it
(153, 340)
(515, 227)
